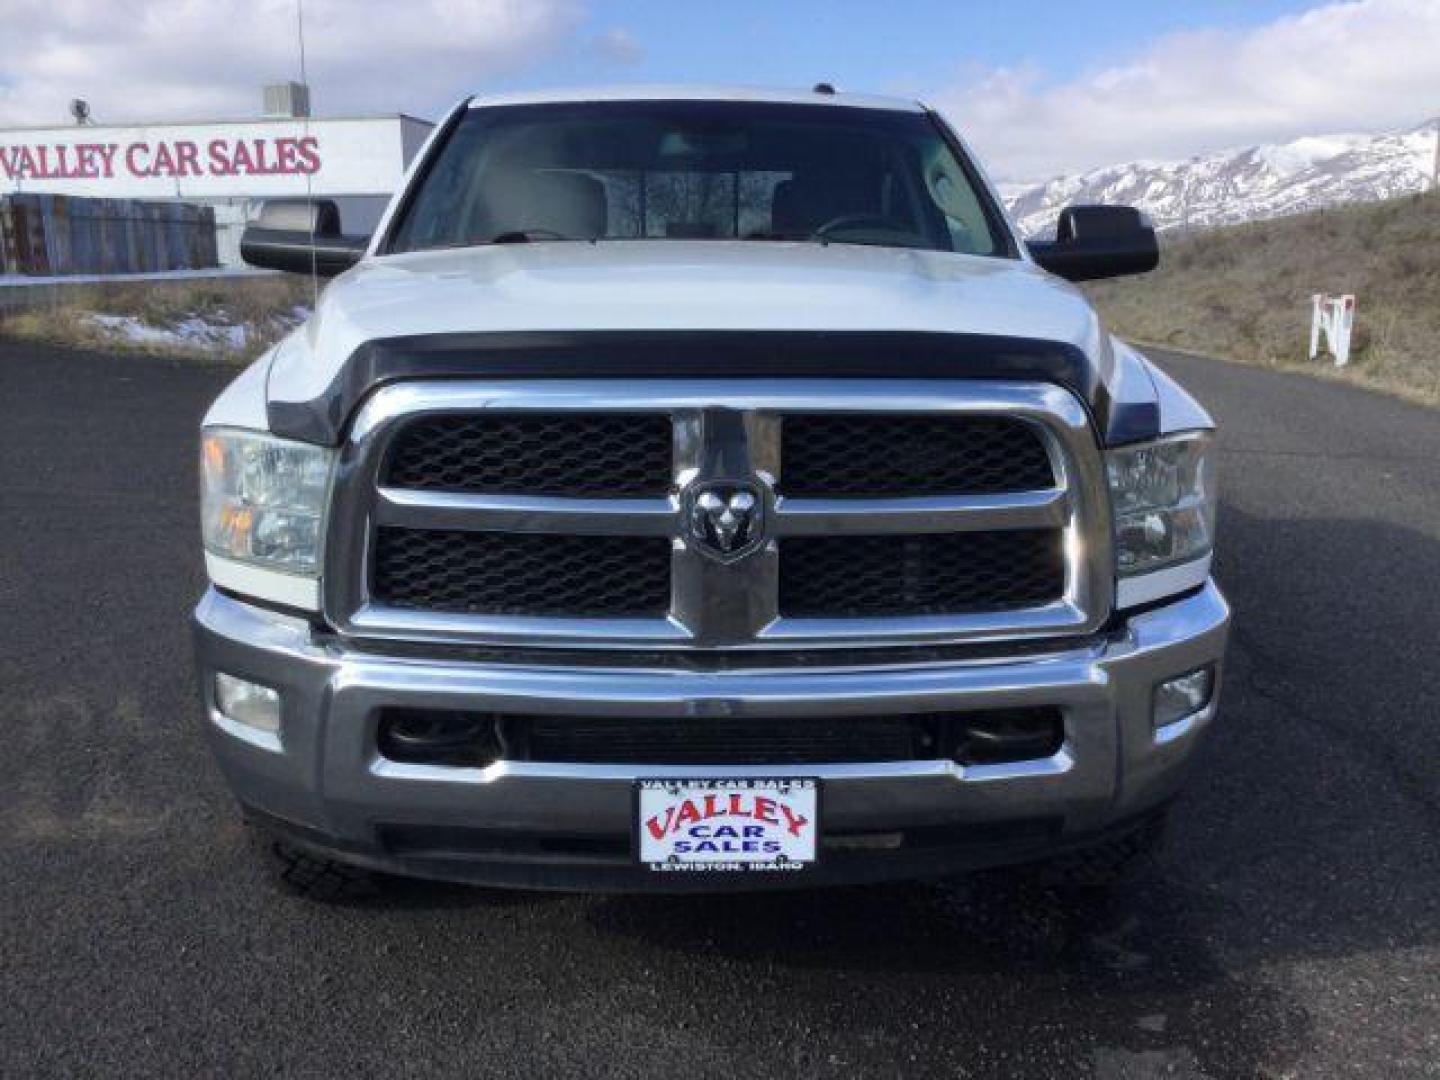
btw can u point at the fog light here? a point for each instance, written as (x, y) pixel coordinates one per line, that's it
(1183, 696)
(248, 703)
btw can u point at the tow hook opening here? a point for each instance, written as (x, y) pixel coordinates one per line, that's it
(1009, 735)
(436, 737)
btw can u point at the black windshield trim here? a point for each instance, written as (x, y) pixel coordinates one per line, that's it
(442, 138)
(994, 216)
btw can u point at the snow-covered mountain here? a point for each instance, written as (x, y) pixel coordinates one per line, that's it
(1241, 185)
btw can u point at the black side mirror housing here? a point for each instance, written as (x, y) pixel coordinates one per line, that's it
(1098, 242)
(301, 235)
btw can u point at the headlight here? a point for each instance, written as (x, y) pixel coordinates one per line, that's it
(262, 499)
(1163, 496)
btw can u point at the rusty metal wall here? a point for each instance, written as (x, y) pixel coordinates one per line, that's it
(43, 235)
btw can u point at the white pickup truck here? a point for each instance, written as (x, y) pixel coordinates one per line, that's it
(700, 489)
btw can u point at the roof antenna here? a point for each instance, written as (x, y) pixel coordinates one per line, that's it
(823, 88)
(305, 134)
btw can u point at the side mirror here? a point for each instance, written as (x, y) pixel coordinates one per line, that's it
(1098, 242)
(299, 235)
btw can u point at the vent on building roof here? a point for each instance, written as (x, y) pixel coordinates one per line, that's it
(287, 100)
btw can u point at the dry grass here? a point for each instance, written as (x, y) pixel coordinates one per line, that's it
(264, 305)
(1243, 293)
(1240, 293)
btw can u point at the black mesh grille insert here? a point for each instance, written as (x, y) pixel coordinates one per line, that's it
(522, 573)
(858, 455)
(985, 736)
(469, 739)
(931, 574)
(578, 455)
(730, 741)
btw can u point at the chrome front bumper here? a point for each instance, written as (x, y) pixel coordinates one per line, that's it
(324, 783)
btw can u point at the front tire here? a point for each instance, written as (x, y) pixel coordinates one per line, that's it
(1107, 865)
(313, 876)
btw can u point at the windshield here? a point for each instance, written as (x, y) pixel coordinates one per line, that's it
(698, 170)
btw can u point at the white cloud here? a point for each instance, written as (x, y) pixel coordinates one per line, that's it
(164, 59)
(1366, 64)
(618, 46)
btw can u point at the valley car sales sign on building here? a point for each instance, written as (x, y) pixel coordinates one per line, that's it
(245, 159)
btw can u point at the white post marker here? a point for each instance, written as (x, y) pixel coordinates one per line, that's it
(1333, 317)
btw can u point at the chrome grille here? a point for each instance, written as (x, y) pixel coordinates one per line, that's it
(863, 552)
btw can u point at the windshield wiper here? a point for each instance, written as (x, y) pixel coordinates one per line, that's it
(526, 236)
(780, 237)
(897, 244)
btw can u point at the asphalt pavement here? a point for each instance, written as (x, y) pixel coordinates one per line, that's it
(1291, 928)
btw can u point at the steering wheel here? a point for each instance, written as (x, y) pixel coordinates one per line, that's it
(853, 221)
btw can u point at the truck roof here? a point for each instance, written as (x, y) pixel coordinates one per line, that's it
(695, 93)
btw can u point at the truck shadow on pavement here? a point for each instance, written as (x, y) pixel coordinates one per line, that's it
(987, 961)
(1307, 833)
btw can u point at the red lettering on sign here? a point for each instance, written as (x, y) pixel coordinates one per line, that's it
(148, 159)
(163, 164)
(686, 814)
(659, 829)
(309, 155)
(132, 159)
(240, 159)
(187, 157)
(219, 160)
(692, 811)
(285, 152)
(794, 822)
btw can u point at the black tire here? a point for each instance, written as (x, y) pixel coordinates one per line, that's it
(1106, 865)
(315, 877)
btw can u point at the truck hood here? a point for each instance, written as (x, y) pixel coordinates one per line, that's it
(669, 286)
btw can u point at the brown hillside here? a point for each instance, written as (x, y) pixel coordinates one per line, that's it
(1243, 292)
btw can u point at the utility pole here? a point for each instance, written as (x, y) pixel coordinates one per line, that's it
(1435, 168)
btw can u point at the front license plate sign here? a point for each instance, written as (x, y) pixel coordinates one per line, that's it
(742, 824)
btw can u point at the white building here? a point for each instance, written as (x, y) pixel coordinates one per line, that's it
(231, 165)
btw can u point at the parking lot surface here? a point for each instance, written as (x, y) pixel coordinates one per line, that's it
(1291, 928)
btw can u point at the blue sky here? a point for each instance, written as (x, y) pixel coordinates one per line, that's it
(1039, 88)
(900, 46)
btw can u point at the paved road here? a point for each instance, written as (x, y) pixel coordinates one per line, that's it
(1292, 929)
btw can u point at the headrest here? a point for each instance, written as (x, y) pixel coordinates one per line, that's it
(571, 204)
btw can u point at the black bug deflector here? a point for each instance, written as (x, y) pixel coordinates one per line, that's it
(659, 354)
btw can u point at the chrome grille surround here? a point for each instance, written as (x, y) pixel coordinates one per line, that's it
(725, 430)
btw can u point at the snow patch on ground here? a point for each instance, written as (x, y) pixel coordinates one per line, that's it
(192, 332)
(152, 275)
